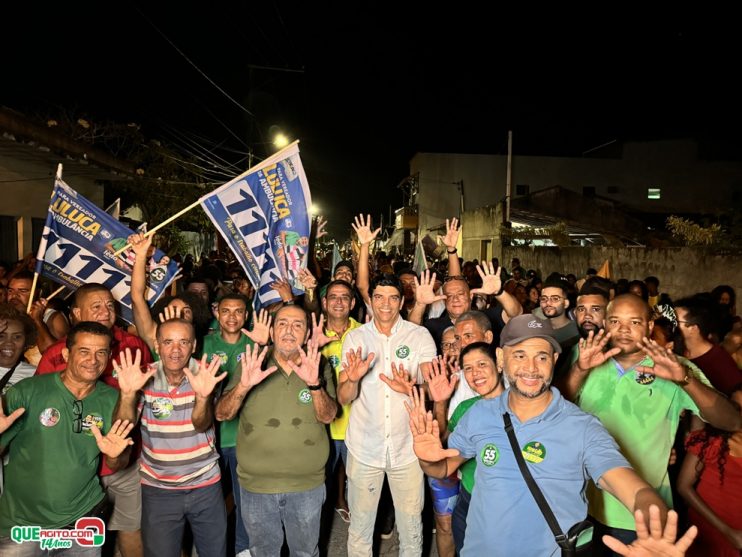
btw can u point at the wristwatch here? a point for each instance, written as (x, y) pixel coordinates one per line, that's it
(451, 251)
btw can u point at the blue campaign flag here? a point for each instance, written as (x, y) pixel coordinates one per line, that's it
(77, 248)
(264, 218)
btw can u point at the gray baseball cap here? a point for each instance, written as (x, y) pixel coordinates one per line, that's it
(523, 327)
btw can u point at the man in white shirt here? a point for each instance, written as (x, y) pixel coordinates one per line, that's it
(383, 359)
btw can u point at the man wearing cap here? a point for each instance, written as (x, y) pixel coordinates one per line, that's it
(563, 447)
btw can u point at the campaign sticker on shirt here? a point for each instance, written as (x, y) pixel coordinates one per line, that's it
(534, 452)
(403, 351)
(489, 455)
(49, 417)
(334, 361)
(162, 407)
(305, 396)
(222, 356)
(92, 419)
(645, 378)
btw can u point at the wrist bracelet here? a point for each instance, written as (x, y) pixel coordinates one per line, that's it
(451, 252)
(316, 387)
(289, 303)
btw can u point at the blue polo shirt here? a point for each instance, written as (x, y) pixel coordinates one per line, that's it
(564, 447)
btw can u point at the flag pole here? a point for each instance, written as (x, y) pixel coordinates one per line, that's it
(57, 291)
(33, 290)
(163, 223)
(58, 176)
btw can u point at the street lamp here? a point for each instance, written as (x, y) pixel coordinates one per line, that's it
(280, 140)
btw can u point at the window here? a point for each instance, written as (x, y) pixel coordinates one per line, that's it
(588, 191)
(613, 189)
(8, 238)
(522, 189)
(654, 193)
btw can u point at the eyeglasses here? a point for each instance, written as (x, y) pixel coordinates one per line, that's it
(77, 411)
(446, 346)
(552, 299)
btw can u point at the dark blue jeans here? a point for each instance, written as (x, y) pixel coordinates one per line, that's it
(241, 541)
(625, 536)
(299, 513)
(458, 519)
(165, 512)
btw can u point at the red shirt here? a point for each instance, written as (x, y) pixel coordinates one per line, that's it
(52, 359)
(52, 362)
(720, 368)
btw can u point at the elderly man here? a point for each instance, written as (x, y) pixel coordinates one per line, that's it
(282, 442)
(638, 390)
(383, 359)
(94, 302)
(177, 414)
(50, 478)
(563, 445)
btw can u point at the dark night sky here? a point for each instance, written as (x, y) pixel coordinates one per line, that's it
(379, 84)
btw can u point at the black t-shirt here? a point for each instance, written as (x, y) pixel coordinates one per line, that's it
(438, 325)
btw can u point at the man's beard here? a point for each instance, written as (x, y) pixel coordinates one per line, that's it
(585, 332)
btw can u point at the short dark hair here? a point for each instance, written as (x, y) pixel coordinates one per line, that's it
(592, 290)
(24, 274)
(652, 280)
(386, 279)
(90, 328)
(9, 312)
(407, 271)
(86, 289)
(343, 283)
(643, 287)
(488, 349)
(700, 313)
(307, 315)
(234, 296)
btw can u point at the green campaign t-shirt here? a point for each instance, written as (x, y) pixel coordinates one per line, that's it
(51, 477)
(281, 447)
(642, 413)
(470, 466)
(231, 356)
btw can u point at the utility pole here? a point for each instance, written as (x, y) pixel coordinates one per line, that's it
(508, 186)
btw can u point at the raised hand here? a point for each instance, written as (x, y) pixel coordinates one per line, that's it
(318, 331)
(591, 350)
(452, 234)
(321, 223)
(355, 367)
(140, 244)
(308, 368)
(424, 289)
(37, 310)
(441, 386)
(491, 282)
(654, 542)
(666, 363)
(426, 435)
(7, 421)
(129, 373)
(307, 279)
(251, 363)
(363, 229)
(170, 312)
(400, 381)
(116, 440)
(283, 288)
(205, 380)
(261, 327)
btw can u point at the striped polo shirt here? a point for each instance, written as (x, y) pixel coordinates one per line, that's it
(174, 454)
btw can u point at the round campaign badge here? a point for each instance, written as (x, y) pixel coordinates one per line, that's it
(157, 274)
(222, 356)
(92, 419)
(403, 351)
(534, 452)
(334, 361)
(49, 417)
(305, 397)
(489, 455)
(162, 407)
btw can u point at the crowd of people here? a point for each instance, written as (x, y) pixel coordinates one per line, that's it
(539, 413)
